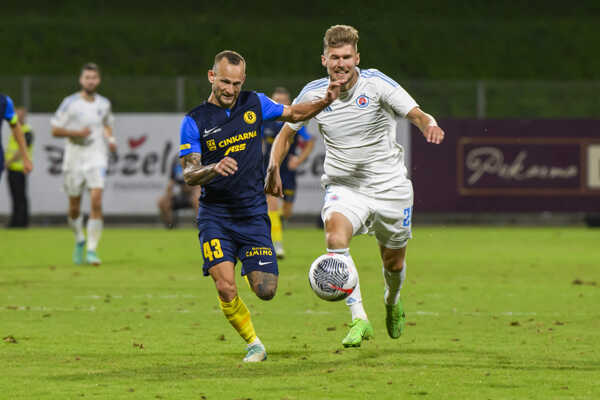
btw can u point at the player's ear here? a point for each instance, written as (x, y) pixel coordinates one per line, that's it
(323, 60)
(357, 58)
(211, 76)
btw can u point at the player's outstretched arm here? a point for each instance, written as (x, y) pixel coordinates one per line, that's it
(194, 173)
(20, 138)
(280, 148)
(62, 132)
(426, 124)
(307, 110)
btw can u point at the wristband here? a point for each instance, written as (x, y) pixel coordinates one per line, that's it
(111, 140)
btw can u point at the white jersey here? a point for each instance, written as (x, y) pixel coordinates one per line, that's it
(76, 113)
(359, 131)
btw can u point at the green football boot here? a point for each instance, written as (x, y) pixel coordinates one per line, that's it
(395, 319)
(78, 252)
(92, 258)
(256, 353)
(359, 330)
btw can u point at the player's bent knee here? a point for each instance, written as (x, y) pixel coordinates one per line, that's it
(394, 267)
(336, 240)
(263, 284)
(266, 293)
(394, 263)
(227, 290)
(393, 259)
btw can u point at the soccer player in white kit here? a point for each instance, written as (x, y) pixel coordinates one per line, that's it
(367, 190)
(86, 120)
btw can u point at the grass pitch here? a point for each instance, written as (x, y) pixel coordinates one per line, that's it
(493, 313)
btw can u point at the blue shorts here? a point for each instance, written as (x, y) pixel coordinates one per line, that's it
(288, 183)
(246, 239)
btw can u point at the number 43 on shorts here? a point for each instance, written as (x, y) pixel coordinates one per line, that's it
(407, 215)
(212, 249)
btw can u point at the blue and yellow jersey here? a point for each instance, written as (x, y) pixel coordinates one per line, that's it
(215, 133)
(7, 112)
(270, 131)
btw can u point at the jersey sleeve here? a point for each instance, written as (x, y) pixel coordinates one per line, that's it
(189, 137)
(9, 112)
(270, 109)
(304, 134)
(392, 94)
(61, 116)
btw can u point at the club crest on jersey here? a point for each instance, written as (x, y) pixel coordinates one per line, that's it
(362, 101)
(250, 117)
(212, 146)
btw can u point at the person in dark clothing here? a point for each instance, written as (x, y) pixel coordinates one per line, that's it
(17, 178)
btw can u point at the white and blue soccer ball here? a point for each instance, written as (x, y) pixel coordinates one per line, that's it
(331, 278)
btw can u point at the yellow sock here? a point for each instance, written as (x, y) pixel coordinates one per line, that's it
(239, 317)
(276, 231)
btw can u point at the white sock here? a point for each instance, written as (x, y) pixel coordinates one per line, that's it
(354, 301)
(393, 284)
(77, 227)
(94, 231)
(255, 341)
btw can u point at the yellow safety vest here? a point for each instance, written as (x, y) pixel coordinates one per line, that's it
(13, 148)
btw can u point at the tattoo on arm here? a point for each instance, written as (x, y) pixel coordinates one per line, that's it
(194, 173)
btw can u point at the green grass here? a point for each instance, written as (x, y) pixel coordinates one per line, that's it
(494, 313)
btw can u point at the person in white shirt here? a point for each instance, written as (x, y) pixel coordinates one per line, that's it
(86, 120)
(367, 190)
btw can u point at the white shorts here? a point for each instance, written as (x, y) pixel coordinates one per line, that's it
(76, 181)
(389, 220)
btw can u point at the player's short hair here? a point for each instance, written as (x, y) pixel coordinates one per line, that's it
(90, 66)
(340, 35)
(233, 57)
(281, 90)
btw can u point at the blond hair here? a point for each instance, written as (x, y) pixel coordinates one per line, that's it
(340, 35)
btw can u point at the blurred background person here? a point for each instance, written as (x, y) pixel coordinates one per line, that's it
(177, 196)
(299, 151)
(17, 178)
(7, 112)
(85, 119)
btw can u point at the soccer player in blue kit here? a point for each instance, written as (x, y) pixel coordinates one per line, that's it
(7, 112)
(221, 150)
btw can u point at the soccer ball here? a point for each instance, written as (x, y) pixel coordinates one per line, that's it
(331, 278)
